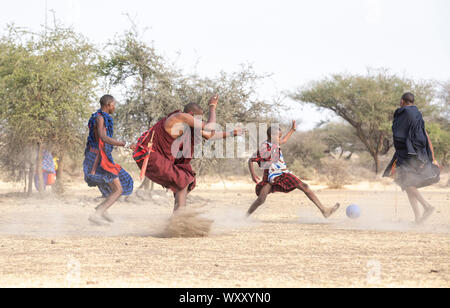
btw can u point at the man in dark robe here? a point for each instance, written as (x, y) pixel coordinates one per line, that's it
(414, 165)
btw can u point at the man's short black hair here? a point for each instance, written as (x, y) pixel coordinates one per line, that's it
(192, 107)
(408, 98)
(106, 100)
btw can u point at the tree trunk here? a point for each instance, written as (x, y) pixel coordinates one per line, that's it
(40, 158)
(30, 180)
(387, 145)
(377, 162)
(372, 150)
(25, 177)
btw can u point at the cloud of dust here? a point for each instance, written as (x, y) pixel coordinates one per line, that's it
(373, 219)
(188, 222)
(53, 217)
(41, 218)
(391, 212)
(229, 219)
(202, 221)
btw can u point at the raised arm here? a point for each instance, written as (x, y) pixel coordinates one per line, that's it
(176, 126)
(211, 124)
(213, 135)
(251, 167)
(432, 150)
(289, 134)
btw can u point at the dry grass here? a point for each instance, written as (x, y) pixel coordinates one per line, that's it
(49, 242)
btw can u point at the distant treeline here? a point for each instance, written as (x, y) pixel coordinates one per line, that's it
(50, 82)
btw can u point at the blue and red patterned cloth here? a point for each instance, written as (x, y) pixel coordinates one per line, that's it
(48, 164)
(99, 167)
(48, 171)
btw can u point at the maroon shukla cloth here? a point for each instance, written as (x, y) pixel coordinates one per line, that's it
(284, 183)
(163, 168)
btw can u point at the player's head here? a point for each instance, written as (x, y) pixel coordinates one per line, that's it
(407, 99)
(193, 109)
(108, 103)
(274, 134)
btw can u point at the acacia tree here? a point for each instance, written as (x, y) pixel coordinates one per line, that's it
(154, 87)
(239, 103)
(445, 100)
(47, 81)
(367, 103)
(439, 128)
(341, 136)
(134, 66)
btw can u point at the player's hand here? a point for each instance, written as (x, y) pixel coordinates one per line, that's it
(435, 162)
(294, 126)
(133, 147)
(256, 179)
(214, 101)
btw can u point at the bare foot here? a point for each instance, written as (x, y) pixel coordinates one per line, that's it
(428, 212)
(97, 220)
(107, 217)
(331, 211)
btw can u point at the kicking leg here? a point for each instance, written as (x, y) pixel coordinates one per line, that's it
(101, 210)
(429, 210)
(180, 198)
(312, 196)
(411, 191)
(261, 199)
(420, 198)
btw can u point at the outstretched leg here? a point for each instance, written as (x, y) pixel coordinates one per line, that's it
(101, 210)
(420, 198)
(180, 198)
(411, 191)
(312, 196)
(261, 199)
(428, 209)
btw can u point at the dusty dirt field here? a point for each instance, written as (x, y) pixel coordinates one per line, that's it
(49, 242)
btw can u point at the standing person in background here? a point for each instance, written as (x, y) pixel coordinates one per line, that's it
(48, 171)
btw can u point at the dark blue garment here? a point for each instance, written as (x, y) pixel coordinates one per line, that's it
(109, 124)
(102, 178)
(413, 159)
(410, 137)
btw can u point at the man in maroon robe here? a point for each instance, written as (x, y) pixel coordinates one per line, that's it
(165, 151)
